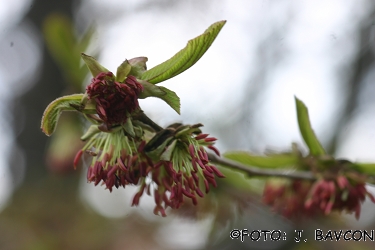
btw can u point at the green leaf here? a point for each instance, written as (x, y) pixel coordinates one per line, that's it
(53, 111)
(138, 66)
(185, 58)
(150, 90)
(123, 71)
(364, 168)
(93, 65)
(271, 161)
(170, 97)
(240, 181)
(306, 130)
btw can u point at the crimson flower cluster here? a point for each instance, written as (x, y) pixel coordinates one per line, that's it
(116, 159)
(287, 199)
(124, 170)
(304, 198)
(119, 164)
(114, 101)
(183, 176)
(338, 194)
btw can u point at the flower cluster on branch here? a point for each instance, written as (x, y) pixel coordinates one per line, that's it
(300, 198)
(172, 163)
(127, 147)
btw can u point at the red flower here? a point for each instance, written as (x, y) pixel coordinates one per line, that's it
(115, 162)
(322, 197)
(287, 199)
(114, 101)
(339, 194)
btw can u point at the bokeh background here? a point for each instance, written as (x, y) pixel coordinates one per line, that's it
(242, 90)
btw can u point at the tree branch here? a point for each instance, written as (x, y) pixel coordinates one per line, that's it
(253, 171)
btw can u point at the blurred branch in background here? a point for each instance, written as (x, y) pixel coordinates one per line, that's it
(354, 78)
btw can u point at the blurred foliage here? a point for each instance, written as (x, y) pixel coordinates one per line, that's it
(66, 47)
(269, 161)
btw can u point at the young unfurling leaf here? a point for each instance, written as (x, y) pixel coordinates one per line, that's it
(93, 65)
(306, 130)
(53, 111)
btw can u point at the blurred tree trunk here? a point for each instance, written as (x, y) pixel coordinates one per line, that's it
(44, 212)
(47, 88)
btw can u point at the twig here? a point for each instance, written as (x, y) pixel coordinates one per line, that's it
(253, 171)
